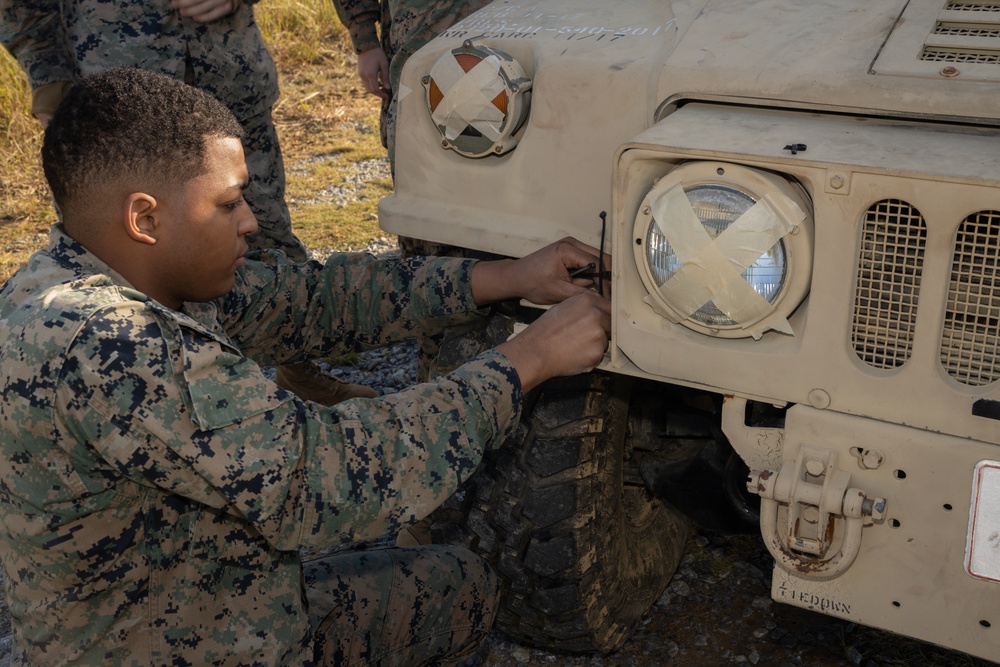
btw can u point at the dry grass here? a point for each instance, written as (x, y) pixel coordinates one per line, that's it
(25, 212)
(323, 111)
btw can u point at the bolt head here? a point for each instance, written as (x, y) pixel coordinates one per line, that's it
(815, 467)
(876, 508)
(871, 459)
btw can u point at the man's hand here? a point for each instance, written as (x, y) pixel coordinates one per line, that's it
(543, 277)
(569, 338)
(203, 11)
(373, 69)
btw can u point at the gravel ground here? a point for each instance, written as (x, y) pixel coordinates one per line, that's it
(718, 611)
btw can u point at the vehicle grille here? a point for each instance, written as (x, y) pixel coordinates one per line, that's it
(970, 341)
(893, 240)
(965, 32)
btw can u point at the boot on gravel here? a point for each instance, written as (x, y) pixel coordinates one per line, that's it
(309, 383)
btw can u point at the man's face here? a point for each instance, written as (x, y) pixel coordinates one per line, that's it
(204, 229)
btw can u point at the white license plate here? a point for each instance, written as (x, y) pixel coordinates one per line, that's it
(982, 551)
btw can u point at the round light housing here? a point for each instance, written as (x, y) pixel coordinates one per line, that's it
(723, 249)
(478, 98)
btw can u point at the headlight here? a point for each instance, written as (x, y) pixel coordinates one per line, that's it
(723, 249)
(478, 98)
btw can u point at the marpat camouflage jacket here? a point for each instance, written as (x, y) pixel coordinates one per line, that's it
(155, 486)
(62, 40)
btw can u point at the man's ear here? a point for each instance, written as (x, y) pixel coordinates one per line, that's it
(140, 218)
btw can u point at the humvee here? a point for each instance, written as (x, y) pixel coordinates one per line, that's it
(802, 205)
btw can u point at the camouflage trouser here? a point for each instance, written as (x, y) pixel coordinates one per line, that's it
(387, 129)
(399, 607)
(266, 194)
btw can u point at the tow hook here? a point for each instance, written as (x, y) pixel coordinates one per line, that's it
(821, 509)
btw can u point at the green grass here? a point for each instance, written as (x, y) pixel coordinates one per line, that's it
(322, 111)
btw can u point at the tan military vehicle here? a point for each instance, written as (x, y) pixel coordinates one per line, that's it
(802, 203)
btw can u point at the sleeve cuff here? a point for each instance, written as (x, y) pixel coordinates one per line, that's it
(364, 43)
(47, 97)
(498, 386)
(364, 35)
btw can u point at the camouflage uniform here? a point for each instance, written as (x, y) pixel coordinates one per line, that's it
(58, 41)
(155, 487)
(405, 26)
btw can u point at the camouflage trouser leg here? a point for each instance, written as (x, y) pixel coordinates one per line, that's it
(399, 607)
(266, 194)
(387, 128)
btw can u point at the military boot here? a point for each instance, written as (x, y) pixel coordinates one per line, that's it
(416, 535)
(307, 382)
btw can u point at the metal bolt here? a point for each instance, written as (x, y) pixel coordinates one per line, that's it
(949, 71)
(815, 467)
(837, 182)
(874, 507)
(871, 459)
(426, 79)
(760, 481)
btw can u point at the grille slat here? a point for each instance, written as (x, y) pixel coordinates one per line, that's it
(967, 30)
(959, 56)
(960, 6)
(890, 263)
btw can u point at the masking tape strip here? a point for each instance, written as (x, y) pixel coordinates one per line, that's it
(704, 271)
(468, 97)
(710, 268)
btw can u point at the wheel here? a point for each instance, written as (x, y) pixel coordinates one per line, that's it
(582, 549)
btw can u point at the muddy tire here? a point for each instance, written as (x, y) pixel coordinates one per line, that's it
(582, 549)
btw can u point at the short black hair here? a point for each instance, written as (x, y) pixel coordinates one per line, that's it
(129, 126)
